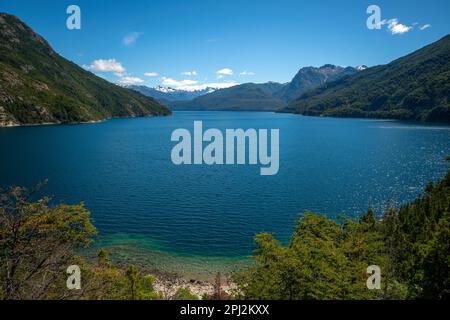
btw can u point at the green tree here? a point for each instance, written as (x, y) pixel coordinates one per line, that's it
(184, 294)
(37, 243)
(328, 260)
(324, 260)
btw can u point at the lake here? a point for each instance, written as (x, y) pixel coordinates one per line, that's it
(203, 218)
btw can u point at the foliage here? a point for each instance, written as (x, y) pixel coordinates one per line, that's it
(36, 241)
(418, 238)
(184, 294)
(37, 244)
(327, 260)
(324, 260)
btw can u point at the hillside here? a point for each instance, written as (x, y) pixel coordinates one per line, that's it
(244, 97)
(415, 87)
(310, 77)
(39, 86)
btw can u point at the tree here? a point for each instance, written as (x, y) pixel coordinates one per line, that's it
(323, 260)
(37, 243)
(417, 239)
(328, 260)
(368, 218)
(184, 294)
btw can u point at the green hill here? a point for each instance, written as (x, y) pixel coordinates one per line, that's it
(415, 87)
(39, 86)
(244, 97)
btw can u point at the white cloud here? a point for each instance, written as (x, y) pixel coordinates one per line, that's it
(191, 85)
(131, 38)
(425, 26)
(151, 74)
(247, 73)
(224, 72)
(189, 73)
(176, 83)
(127, 80)
(395, 27)
(109, 65)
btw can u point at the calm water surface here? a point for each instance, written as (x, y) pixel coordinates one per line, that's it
(147, 208)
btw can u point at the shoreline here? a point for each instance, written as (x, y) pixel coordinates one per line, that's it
(11, 124)
(173, 272)
(169, 287)
(17, 125)
(153, 259)
(167, 265)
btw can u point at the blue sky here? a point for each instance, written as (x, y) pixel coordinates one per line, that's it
(193, 43)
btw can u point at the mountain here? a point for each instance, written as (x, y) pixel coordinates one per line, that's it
(310, 77)
(361, 68)
(244, 97)
(415, 87)
(269, 96)
(168, 95)
(39, 86)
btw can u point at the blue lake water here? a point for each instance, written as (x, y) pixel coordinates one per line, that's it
(121, 169)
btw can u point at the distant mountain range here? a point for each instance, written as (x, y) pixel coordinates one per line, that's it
(415, 87)
(39, 86)
(168, 95)
(244, 97)
(269, 96)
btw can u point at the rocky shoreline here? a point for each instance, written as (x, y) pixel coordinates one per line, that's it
(13, 124)
(167, 287)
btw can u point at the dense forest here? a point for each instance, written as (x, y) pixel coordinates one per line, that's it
(325, 259)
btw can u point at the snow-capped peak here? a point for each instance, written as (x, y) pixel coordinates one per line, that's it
(165, 89)
(173, 90)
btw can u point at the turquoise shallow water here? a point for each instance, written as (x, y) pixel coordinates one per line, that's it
(143, 204)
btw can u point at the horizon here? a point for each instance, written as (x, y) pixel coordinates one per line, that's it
(232, 51)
